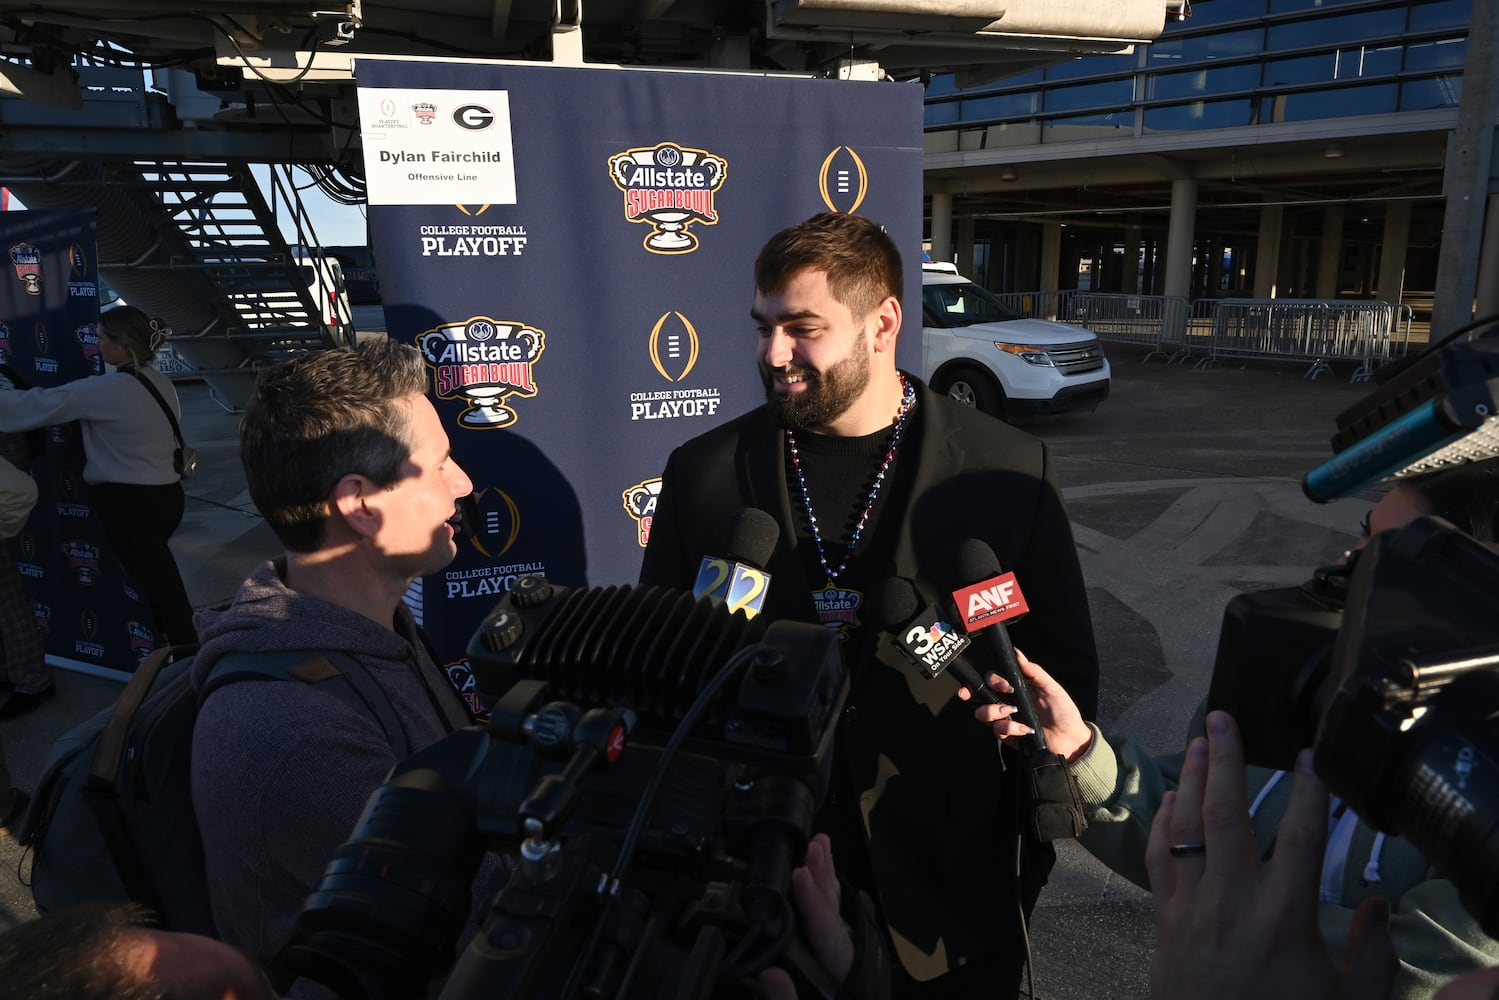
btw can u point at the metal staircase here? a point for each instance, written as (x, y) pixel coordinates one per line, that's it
(271, 298)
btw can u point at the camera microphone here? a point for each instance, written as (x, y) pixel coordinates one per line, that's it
(926, 638)
(738, 579)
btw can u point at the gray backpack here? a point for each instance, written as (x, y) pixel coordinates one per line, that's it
(112, 816)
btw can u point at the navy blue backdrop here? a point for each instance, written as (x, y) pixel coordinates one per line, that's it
(572, 251)
(49, 314)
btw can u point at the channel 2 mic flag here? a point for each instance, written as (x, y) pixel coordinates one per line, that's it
(572, 251)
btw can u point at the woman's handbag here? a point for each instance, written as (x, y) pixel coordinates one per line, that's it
(185, 458)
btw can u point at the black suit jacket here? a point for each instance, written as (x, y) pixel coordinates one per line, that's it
(939, 812)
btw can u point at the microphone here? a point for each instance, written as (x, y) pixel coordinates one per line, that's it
(931, 643)
(738, 580)
(985, 606)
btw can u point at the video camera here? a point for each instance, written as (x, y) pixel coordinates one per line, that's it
(1389, 667)
(653, 764)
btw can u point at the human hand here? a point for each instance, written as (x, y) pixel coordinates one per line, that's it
(1229, 926)
(816, 894)
(1066, 733)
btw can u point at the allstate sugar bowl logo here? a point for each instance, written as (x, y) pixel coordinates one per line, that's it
(485, 361)
(142, 640)
(842, 180)
(27, 260)
(671, 187)
(88, 339)
(83, 561)
(640, 504)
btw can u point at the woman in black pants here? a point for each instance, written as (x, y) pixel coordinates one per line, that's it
(129, 445)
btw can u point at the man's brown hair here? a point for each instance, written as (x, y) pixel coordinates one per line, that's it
(861, 261)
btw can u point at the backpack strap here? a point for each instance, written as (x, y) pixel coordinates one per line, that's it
(112, 739)
(351, 682)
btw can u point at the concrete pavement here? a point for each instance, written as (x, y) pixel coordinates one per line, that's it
(1184, 490)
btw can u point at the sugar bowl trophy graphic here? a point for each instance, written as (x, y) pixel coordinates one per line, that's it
(485, 361)
(27, 261)
(671, 187)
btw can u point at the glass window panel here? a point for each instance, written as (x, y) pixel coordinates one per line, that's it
(1341, 103)
(1379, 61)
(1092, 66)
(1305, 69)
(945, 113)
(1199, 115)
(1000, 106)
(942, 83)
(1446, 54)
(1223, 79)
(1291, 6)
(1334, 30)
(1115, 125)
(1220, 46)
(1448, 14)
(1106, 93)
(1219, 12)
(1424, 95)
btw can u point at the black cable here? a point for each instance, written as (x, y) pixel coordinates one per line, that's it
(609, 882)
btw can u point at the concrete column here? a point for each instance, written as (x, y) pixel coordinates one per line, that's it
(965, 247)
(1132, 258)
(941, 226)
(1330, 256)
(1390, 284)
(1466, 177)
(1179, 237)
(1051, 255)
(1488, 263)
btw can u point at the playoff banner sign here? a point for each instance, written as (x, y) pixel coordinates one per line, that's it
(49, 315)
(572, 250)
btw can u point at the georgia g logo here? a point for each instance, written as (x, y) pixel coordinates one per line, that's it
(843, 181)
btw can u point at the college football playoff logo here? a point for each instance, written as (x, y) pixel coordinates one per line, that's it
(673, 349)
(498, 522)
(842, 181)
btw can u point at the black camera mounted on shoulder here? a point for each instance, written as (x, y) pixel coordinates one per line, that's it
(1389, 667)
(652, 761)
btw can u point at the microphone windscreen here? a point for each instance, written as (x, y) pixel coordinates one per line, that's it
(977, 561)
(752, 538)
(897, 604)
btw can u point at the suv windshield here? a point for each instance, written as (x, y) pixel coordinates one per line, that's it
(963, 305)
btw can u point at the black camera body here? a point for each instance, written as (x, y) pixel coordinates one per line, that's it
(651, 768)
(1389, 668)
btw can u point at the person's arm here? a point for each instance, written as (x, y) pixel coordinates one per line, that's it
(1119, 784)
(1436, 939)
(29, 409)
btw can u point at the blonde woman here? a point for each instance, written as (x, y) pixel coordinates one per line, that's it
(129, 444)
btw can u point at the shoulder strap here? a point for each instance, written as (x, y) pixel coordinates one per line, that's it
(314, 666)
(172, 417)
(111, 744)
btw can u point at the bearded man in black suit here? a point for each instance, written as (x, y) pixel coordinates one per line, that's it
(871, 475)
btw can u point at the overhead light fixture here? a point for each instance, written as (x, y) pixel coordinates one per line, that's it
(1009, 174)
(1334, 151)
(1442, 410)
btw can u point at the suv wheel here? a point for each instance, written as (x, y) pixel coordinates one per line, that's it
(972, 387)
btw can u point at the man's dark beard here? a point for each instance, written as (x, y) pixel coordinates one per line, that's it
(830, 395)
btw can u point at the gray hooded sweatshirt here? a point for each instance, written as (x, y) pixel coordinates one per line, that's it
(281, 770)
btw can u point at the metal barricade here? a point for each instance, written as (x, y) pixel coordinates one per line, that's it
(1153, 321)
(1316, 331)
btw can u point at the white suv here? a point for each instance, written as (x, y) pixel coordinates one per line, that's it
(979, 351)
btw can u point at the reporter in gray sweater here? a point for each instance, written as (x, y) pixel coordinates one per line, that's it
(349, 463)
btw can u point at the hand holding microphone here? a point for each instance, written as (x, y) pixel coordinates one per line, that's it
(1057, 715)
